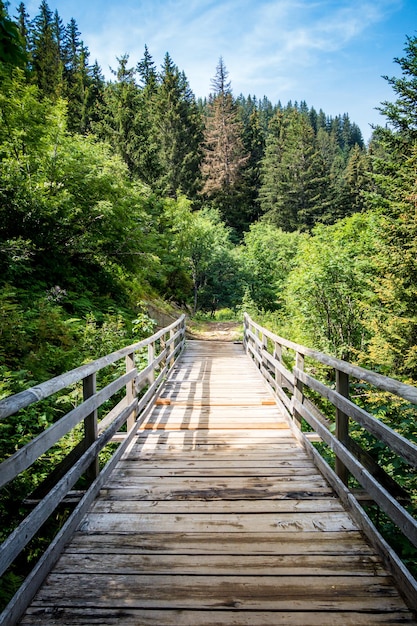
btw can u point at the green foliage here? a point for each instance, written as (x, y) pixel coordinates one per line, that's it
(329, 292)
(11, 44)
(293, 176)
(268, 257)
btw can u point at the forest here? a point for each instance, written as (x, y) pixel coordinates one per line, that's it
(116, 194)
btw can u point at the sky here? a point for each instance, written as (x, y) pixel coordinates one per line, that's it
(331, 53)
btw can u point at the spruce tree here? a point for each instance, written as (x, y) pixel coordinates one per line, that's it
(24, 27)
(293, 192)
(393, 155)
(45, 44)
(76, 78)
(179, 133)
(118, 113)
(12, 45)
(224, 152)
(147, 71)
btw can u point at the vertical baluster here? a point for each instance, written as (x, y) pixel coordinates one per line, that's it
(171, 347)
(130, 388)
(298, 388)
(264, 347)
(90, 424)
(151, 358)
(342, 424)
(278, 357)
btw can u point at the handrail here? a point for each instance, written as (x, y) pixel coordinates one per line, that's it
(163, 349)
(289, 387)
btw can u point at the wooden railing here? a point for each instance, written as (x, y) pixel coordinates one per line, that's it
(297, 390)
(139, 386)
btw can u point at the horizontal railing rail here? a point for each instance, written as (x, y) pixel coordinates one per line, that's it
(292, 387)
(143, 376)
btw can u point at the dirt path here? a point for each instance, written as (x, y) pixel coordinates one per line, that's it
(215, 331)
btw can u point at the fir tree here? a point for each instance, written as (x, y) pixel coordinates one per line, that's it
(118, 113)
(12, 43)
(179, 133)
(45, 51)
(147, 71)
(293, 192)
(224, 153)
(76, 78)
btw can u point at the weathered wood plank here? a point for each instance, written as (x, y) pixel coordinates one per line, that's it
(302, 593)
(176, 542)
(126, 501)
(273, 523)
(222, 565)
(230, 462)
(222, 470)
(230, 489)
(154, 617)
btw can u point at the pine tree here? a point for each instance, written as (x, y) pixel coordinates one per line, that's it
(45, 45)
(76, 78)
(24, 27)
(147, 165)
(224, 153)
(293, 192)
(402, 114)
(12, 50)
(248, 186)
(147, 70)
(179, 133)
(394, 161)
(118, 113)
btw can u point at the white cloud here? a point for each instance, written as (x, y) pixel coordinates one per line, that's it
(281, 48)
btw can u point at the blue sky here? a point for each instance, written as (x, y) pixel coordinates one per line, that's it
(331, 53)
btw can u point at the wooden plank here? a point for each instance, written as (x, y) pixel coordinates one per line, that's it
(87, 616)
(228, 592)
(222, 565)
(217, 470)
(231, 489)
(175, 542)
(273, 523)
(224, 462)
(126, 501)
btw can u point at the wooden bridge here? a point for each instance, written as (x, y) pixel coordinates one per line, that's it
(215, 508)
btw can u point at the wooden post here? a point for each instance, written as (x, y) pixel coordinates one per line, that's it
(130, 389)
(264, 347)
(278, 357)
(171, 348)
(342, 424)
(298, 388)
(90, 425)
(151, 358)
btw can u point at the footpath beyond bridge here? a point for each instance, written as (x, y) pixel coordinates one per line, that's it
(216, 514)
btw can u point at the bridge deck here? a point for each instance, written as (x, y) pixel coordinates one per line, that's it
(217, 516)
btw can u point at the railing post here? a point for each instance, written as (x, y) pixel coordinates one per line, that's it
(90, 425)
(342, 424)
(171, 347)
(298, 388)
(278, 357)
(264, 346)
(151, 358)
(245, 332)
(130, 389)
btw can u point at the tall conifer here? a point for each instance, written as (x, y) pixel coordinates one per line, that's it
(45, 51)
